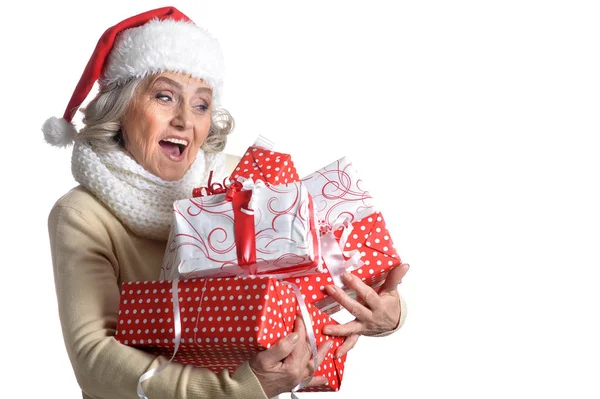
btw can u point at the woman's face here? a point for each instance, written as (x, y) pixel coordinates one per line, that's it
(166, 123)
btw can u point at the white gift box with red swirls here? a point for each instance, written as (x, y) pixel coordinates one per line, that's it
(203, 240)
(339, 194)
(354, 234)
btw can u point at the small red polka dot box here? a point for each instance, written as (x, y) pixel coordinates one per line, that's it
(223, 322)
(354, 236)
(259, 163)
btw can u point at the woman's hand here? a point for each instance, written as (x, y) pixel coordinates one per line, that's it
(379, 314)
(287, 363)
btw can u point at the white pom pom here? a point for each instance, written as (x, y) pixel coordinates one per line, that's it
(58, 132)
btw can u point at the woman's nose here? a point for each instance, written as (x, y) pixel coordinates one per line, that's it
(182, 118)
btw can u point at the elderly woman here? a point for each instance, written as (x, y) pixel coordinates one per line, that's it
(151, 134)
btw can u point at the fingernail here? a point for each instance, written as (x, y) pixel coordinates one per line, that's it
(330, 289)
(329, 344)
(293, 338)
(348, 276)
(406, 267)
(321, 381)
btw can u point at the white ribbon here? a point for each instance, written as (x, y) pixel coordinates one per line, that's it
(309, 332)
(333, 252)
(255, 186)
(176, 317)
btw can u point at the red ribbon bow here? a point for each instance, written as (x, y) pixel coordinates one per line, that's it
(213, 188)
(243, 219)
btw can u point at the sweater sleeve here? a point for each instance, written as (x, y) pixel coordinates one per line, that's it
(85, 272)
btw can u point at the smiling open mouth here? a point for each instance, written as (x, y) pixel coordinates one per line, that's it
(173, 148)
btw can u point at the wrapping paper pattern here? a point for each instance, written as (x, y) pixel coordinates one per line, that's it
(338, 193)
(224, 322)
(203, 235)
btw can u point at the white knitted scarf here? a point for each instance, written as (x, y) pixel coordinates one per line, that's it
(141, 200)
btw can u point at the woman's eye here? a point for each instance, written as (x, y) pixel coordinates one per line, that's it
(201, 107)
(163, 97)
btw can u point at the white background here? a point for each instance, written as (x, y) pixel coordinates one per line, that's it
(474, 124)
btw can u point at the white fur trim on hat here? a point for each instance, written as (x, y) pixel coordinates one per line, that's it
(166, 45)
(58, 132)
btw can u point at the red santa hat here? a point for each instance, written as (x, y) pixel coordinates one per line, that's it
(159, 40)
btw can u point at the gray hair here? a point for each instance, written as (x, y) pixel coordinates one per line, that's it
(102, 116)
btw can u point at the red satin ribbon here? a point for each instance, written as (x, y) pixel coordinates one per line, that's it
(243, 218)
(212, 188)
(243, 222)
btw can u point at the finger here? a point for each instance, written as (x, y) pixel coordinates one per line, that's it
(323, 351)
(345, 347)
(317, 381)
(302, 352)
(299, 326)
(368, 294)
(394, 278)
(300, 329)
(356, 309)
(343, 330)
(281, 350)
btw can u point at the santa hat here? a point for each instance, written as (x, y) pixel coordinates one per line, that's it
(154, 41)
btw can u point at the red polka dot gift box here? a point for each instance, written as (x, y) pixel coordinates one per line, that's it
(272, 167)
(354, 236)
(223, 322)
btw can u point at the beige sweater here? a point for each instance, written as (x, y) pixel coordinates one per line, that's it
(92, 254)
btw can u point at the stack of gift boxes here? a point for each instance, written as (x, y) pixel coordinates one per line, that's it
(236, 251)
